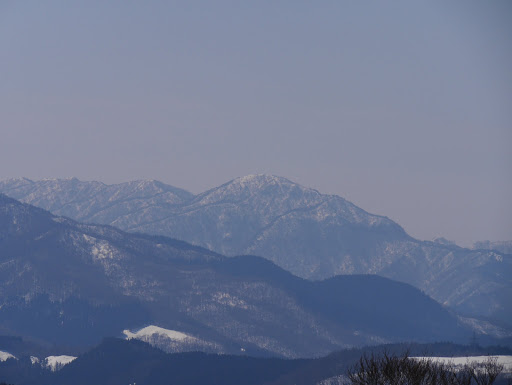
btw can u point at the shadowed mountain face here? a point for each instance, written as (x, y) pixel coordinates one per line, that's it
(66, 282)
(312, 235)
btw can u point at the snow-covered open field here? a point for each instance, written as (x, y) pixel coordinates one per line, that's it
(506, 361)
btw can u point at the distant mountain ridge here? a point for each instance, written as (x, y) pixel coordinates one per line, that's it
(94, 202)
(64, 282)
(504, 247)
(312, 235)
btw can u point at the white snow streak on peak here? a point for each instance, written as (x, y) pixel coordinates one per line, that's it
(56, 362)
(4, 356)
(148, 331)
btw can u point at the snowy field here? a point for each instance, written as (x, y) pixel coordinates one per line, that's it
(506, 361)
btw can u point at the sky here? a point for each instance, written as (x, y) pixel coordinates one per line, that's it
(403, 108)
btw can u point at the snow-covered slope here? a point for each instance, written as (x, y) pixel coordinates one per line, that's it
(276, 218)
(152, 330)
(172, 341)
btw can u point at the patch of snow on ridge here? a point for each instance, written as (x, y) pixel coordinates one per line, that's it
(102, 250)
(172, 341)
(4, 356)
(55, 363)
(145, 333)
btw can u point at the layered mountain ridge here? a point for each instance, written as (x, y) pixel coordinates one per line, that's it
(312, 235)
(71, 283)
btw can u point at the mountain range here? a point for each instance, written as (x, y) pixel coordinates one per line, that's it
(312, 235)
(68, 283)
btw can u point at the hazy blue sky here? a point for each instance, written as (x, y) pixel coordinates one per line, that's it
(403, 107)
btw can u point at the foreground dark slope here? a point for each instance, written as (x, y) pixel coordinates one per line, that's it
(312, 235)
(66, 282)
(118, 362)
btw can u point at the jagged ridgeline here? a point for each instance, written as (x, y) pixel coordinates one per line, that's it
(64, 281)
(312, 235)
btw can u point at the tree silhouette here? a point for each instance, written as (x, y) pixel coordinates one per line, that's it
(390, 369)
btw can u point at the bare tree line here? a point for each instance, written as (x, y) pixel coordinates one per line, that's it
(388, 369)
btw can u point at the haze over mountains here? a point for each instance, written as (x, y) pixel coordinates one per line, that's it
(312, 235)
(68, 283)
